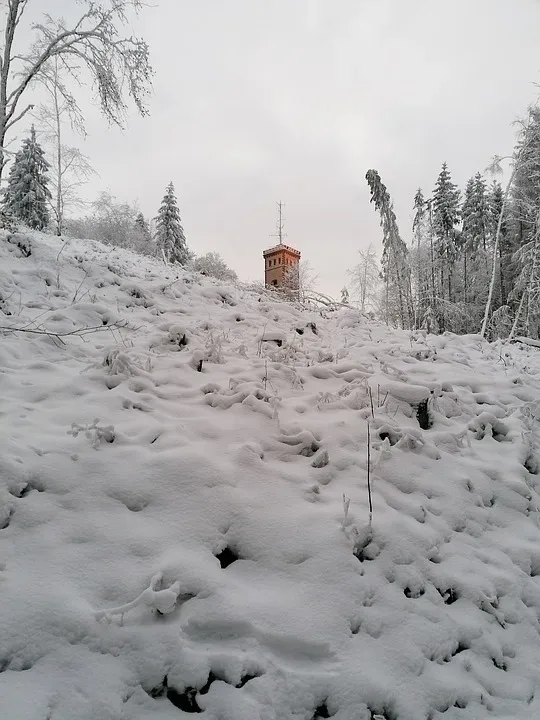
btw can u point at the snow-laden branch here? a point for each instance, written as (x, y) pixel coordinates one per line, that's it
(117, 65)
(164, 601)
(80, 332)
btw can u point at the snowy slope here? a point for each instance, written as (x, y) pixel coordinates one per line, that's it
(121, 461)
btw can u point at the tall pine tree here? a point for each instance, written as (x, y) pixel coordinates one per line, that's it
(446, 215)
(475, 235)
(395, 257)
(169, 231)
(27, 194)
(425, 279)
(141, 226)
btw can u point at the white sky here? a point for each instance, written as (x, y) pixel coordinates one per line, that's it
(263, 100)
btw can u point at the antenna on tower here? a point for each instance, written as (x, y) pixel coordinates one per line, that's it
(280, 224)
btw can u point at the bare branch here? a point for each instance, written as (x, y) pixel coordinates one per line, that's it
(118, 66)
(19, 116)
(80, 332)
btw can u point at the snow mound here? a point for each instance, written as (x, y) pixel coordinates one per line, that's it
(184, 509)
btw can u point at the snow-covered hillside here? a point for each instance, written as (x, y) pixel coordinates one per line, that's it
(202, 439)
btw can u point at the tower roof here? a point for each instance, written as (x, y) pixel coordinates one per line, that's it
(280, 248)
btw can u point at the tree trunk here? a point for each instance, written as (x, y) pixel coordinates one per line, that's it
(59, 189)
(501, 277)
(465, 276)
(496, 253)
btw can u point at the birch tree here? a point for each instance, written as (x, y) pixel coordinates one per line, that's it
(366, 279)
(92, 45)
(70, 169)
(300, 280)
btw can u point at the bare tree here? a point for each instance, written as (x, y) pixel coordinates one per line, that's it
(300, 279)
(110, 222)
(93, 44)
(70, 169)
(214, 265)
(366, 279)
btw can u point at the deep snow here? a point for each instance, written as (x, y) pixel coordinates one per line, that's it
(124, 470)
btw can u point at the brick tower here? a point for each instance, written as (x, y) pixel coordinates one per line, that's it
(281, 262)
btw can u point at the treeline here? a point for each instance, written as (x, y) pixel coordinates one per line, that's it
(474, 262)
(28, 199)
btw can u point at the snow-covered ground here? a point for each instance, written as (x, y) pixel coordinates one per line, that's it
(199, 444)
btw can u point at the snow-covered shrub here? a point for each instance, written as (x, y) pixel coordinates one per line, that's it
(118, 362)
(7, 220)
(94, 432)
(22, 242)
(113, 223)
(213, 265)
(214, 349)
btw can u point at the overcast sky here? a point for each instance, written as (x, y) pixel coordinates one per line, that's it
(257, 101)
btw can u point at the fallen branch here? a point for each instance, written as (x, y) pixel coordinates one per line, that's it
(80, 332)
(164, 601)
(527, 341)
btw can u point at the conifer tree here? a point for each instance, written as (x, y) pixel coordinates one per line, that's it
(420, 228)
(395, 261)
(446, 215)
(526, 221)
(169, 231)
(480, 212)
(27, 194)
(141, 226)
(467, 211)
(519, 225)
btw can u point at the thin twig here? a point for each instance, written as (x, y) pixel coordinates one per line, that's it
(79, 287)
(51, 333)
(369, 476)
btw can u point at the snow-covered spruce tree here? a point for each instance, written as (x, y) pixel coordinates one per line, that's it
(142, 227)
(474, 246)
(27, 194)
(446, 215)
(424, 274)
(170, 236)
(395, 257)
